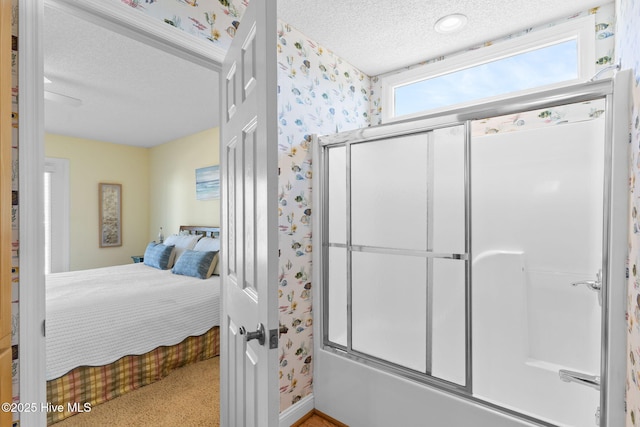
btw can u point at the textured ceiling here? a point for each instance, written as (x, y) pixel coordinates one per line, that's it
(137, 95)
(131, 93)
(378, 36)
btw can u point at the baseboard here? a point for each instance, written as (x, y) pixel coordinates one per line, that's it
(294, 413)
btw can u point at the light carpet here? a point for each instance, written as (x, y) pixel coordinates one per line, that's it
(188, 397)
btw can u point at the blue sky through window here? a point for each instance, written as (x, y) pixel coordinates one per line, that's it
(540, 67)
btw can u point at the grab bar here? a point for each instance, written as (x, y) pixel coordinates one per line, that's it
(592, 381)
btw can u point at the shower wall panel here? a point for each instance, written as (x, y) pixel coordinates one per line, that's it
(537, 214)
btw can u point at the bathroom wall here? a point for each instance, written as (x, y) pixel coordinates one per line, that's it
(318, 92)
(628, 50)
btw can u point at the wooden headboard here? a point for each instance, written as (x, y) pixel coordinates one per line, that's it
(197, 229)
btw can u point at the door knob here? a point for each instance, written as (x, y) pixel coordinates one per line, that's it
(255, 335)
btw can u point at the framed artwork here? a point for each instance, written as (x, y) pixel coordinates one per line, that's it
(208, 183)
(110, 209)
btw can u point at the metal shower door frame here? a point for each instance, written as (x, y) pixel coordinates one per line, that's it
(616, 92)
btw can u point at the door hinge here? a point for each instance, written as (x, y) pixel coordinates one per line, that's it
(44, 328)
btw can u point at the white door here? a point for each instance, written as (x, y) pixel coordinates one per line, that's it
(249, 165)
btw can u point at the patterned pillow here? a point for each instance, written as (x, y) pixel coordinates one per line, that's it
(210, 244)
(195, 263)
(157, 255)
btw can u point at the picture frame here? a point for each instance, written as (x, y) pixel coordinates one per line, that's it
(110, 211)
(208, 183)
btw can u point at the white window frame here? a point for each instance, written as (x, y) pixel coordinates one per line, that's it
(580, 29)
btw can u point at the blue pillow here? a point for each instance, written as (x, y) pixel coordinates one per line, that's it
(157, 255)
(195, 263)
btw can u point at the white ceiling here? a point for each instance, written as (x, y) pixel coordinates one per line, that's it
(378, 36)
(131, 93)
(137, 95)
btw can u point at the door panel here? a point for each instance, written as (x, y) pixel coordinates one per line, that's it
(249, 253)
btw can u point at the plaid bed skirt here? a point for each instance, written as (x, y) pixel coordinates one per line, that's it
(95, 385)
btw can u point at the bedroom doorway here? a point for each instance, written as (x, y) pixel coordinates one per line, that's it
(32, 302)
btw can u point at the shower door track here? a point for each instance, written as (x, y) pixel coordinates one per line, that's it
(613, 337)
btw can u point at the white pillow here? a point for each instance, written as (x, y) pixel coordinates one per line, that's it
(207, 244)
(182, 243)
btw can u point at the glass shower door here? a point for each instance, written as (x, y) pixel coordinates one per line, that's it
(490, 252)
(397, 252)
(537, 250)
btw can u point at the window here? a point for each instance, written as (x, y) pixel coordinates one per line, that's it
(547, 58)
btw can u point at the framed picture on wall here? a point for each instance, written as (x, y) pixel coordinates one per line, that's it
(208, 183)
(110, 210)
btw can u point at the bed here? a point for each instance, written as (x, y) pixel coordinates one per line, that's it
(115, 329)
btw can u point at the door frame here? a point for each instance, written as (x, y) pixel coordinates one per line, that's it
(6, 187)
(117, 17)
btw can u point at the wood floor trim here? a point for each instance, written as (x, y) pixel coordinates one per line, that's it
(303, 419)
(320, 414)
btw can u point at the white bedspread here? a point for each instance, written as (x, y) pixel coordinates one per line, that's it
(94, 317)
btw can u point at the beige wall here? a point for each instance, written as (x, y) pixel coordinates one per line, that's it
(90, 163)
(158, 190)
(173, 183)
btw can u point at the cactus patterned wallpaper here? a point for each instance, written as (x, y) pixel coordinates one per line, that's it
(318, 93)
(628, 48)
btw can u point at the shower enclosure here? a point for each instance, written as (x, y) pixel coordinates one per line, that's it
(474, 261)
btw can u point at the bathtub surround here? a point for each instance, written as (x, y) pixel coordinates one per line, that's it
(529, 245)
(526, 245)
